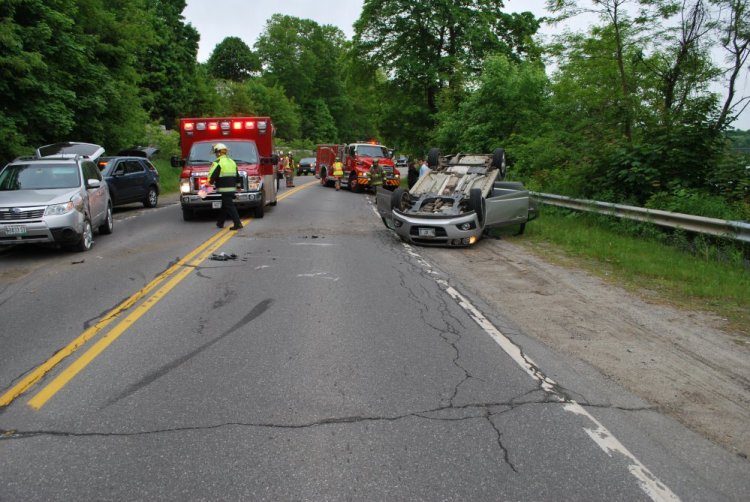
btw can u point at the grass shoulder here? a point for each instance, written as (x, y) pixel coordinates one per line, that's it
(704, 277)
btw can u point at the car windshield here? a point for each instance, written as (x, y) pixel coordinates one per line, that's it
(244, 152)
(39, 177)
(372, 151)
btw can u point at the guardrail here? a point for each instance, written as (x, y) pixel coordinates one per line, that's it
(738, 230)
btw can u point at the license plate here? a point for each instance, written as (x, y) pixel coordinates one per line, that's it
(15, 229)
(216, 204)
(427, 232)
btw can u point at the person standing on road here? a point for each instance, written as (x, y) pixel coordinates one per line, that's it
(289, 171)
(412, 174)
(376, 176)
(338, 172)
(224, 177)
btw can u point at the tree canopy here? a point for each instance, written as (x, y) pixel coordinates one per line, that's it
(624, 112)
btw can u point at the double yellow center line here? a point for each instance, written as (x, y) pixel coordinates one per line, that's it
(179, 271)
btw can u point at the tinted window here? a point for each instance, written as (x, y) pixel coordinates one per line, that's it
(90, 171)
(39, 176)
(133, 166)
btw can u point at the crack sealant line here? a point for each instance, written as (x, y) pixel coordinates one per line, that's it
(603, 438)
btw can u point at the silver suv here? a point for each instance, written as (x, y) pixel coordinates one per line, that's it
(57, 196)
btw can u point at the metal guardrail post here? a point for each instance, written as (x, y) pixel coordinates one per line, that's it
(738, 230)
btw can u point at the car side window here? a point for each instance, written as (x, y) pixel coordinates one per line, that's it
(133, 166)
(90, 171)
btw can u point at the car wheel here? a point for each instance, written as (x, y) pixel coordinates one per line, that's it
(188, 214)
(433, 158)
(397, 199)
(260, 210)
(87, 237)
(152, 197)
(498, 161)
(476, 203)
(109, 222)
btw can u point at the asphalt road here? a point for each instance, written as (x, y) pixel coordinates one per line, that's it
(328, 361)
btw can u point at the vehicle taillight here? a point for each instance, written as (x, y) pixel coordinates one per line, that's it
(237, 126)
(213, 126)
(200, 126)
(249, 125)
(225, 126)
(188, 126)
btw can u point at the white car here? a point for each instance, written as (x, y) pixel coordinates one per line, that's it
(460, 198)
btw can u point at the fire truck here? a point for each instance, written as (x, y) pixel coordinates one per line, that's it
(250, 144)
(357, 159)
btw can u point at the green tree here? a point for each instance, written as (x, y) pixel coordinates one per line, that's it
(509, 100)
(167, 60)
(273, 102)
(429, 44)
(305, 59)
(232, 59)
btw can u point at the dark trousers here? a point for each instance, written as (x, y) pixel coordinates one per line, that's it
(228, 209)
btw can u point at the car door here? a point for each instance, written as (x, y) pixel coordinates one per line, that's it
(135, 179)
(98, 196)
(507, 204)
(384, 203)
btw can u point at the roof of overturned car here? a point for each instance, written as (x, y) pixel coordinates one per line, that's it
(452, 182)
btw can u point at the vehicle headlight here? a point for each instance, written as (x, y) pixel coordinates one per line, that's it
(64, 208)
(396, 175)
(184, 185)
(254, 182)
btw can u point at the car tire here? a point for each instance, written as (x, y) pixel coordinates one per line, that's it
(152, 197)
(188, 214)
(433, 158)
(260, 210)
(109, 222)
(397, 198)
(87, 237)
(499, 161)
(476, 203)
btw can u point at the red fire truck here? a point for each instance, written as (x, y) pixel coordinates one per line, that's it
(357, 159)
(250, 144)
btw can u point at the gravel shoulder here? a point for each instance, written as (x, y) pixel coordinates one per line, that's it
(684, 363)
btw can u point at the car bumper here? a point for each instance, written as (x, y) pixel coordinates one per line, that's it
(437, 231)
(61, 229)
(241, 200)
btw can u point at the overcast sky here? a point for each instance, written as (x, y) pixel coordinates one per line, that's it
(217, 19)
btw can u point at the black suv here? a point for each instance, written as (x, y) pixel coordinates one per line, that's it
(131, 177)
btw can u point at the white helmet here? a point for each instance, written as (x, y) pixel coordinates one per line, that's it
(218, 147)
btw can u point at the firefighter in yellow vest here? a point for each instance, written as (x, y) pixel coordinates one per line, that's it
(224, 176)
(376, 176)
(338, 172)
(289, 171)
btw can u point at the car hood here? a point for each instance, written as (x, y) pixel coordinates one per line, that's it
(22, 198)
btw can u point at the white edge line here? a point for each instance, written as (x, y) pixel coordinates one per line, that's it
(603, 438)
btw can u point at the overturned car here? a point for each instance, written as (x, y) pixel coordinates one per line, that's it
(460, 198)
